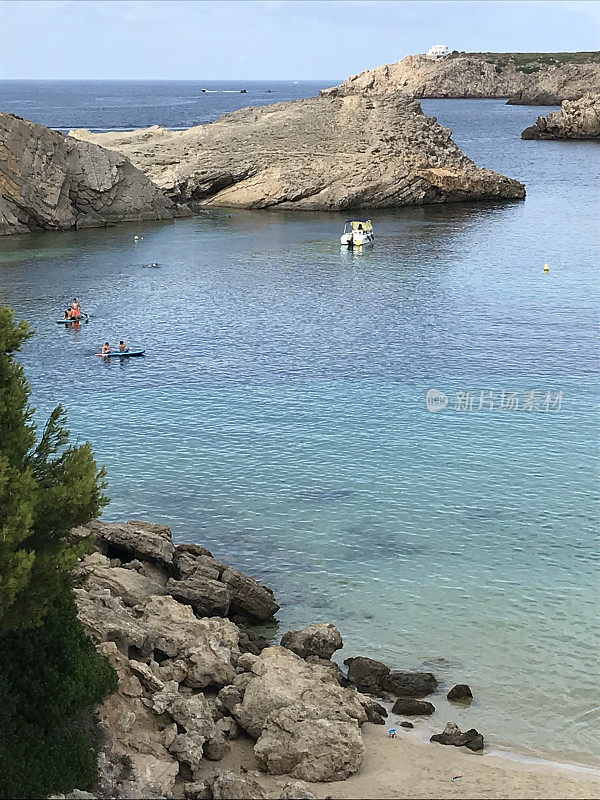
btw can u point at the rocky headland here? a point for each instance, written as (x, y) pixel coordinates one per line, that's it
(195, 682)
(523, 78)
(577, 119)
(323, 153)
(49, 181)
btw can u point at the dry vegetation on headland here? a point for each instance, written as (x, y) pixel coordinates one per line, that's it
(206, 709)
(523, 78)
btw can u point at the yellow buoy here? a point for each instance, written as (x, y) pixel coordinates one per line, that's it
(546, 268)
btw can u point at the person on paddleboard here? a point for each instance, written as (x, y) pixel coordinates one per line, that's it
(105, 349)
(123, 348)
(76, 308)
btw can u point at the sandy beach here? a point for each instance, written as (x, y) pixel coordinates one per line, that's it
(407, 768)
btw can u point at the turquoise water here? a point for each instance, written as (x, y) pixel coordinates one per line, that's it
(280, 417)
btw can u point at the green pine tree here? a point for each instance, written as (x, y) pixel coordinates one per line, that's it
(50, 673)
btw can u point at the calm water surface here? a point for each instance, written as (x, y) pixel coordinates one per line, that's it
(279, 416)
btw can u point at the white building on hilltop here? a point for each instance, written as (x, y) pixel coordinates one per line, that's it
(437, 51)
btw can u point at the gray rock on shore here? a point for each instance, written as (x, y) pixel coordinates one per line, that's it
(369, 675)
(49, 181)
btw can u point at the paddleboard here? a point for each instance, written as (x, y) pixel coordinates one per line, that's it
(121, 355)
(82, 318)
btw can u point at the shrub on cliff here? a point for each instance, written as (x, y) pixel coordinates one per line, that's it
(50, 673)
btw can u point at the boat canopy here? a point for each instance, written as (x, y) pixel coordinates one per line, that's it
(364, 224)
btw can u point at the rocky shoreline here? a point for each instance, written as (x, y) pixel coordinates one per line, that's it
(194, 680)
(316, 154)
(49, 181)
(578, 119)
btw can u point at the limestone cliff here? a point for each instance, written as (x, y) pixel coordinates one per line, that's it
(536, 78)
(324, 153)
(578, 119)
(52, 181)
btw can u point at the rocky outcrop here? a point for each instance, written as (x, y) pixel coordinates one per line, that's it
(49, 181)
(325, 153)
(410, 706)
(460, 693)
(578, 119)
(537, 79)
(189, 572)
(375, 677)
(452, 735)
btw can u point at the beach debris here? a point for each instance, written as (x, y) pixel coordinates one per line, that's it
(460, 692)
(456, 777)
(392, 733)
(453, 735)
(410, 706)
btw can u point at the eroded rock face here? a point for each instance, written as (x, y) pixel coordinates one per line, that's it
(321, 640)
(311, 744)
(475, 75)
(49, 181)
(578, 119)
(324, 153)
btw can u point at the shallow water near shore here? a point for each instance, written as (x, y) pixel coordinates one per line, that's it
(281, 420)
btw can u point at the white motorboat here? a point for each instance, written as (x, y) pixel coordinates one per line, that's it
(357, 233)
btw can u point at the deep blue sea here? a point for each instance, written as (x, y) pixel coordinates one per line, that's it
(279, 416)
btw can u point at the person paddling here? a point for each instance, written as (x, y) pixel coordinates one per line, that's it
(105, 349)
(123, 348)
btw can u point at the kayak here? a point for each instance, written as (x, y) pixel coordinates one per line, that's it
(82, 318)
(121, 355)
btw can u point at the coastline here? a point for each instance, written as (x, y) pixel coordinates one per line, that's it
(407, 767)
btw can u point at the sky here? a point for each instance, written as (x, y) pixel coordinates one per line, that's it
(276, 39)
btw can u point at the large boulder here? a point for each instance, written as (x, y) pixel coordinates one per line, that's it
(208, 597)
(133, 539)
(279, 678)
(375, 677)
(321, 640)
(311, 744)
(132, 587)
(409, 684)
(366, 674)
(460, 692)
(208, 647)
(287, 703)
(410, 706)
